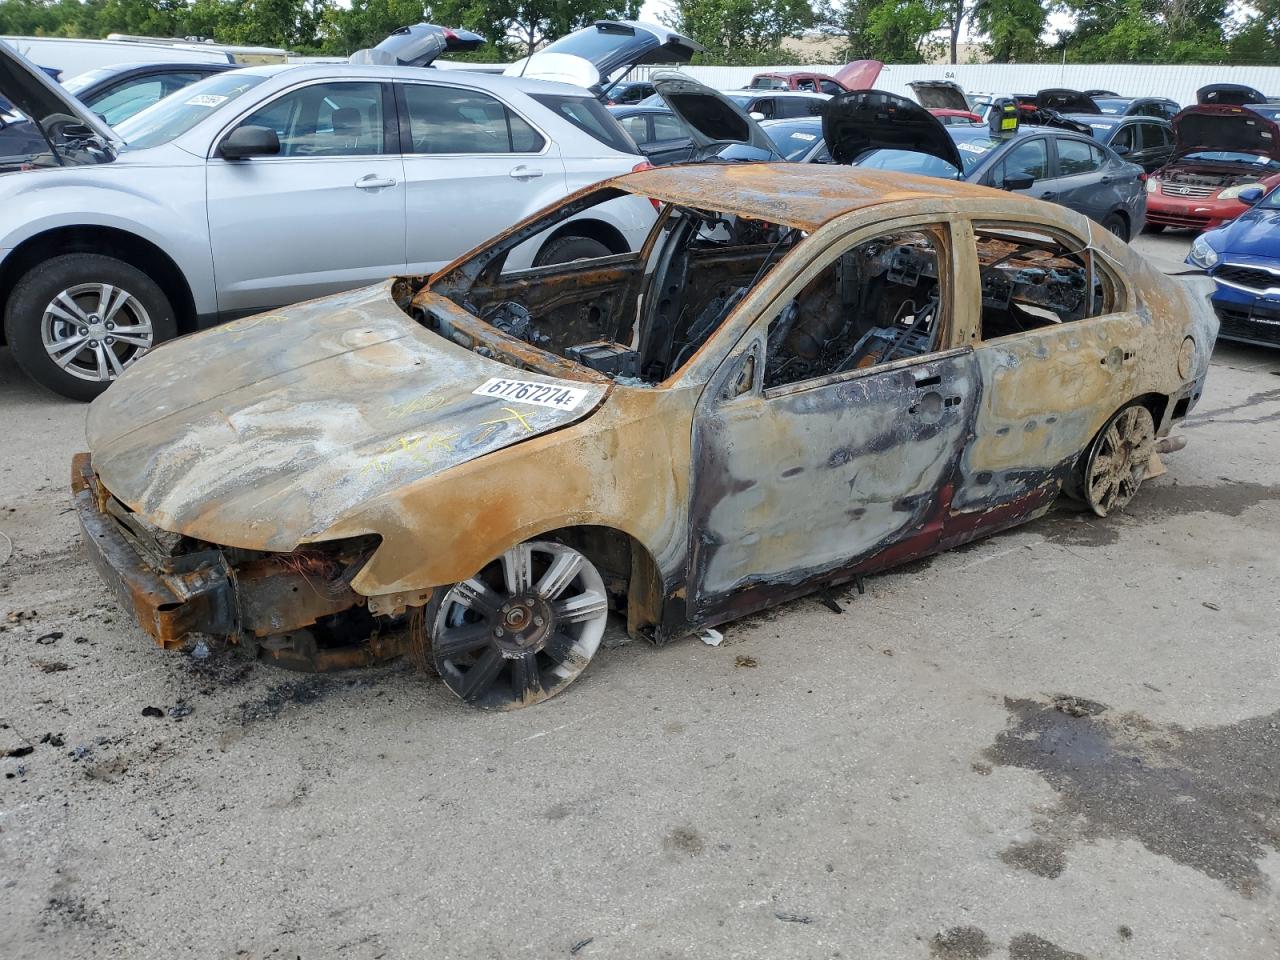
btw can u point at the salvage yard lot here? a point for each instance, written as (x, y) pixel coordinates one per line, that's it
(1060, 742)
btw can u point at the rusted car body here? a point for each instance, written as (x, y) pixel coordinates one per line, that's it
(807, 374)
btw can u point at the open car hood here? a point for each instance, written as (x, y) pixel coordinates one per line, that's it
(1232, 94)
(712, 120)
(859, 74)
(939, 95)
(418, 46)
(1065, 101)
(1237, 129)
(43, 101)
(591, 57)
(856, 123)
(299, 418)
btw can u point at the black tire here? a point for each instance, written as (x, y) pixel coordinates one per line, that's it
(568, 249)
(1153, 228)
(1117, 225)
(36, 290)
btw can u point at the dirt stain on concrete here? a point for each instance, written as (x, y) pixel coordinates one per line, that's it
(1044, 858)
(1206, 798)
(683, 841)
(960, 943)
(1027, 946)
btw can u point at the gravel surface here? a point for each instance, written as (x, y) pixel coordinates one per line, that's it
(1060, 742)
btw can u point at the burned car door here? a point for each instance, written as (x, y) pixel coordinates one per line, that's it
(826, 440)
(1057, 344)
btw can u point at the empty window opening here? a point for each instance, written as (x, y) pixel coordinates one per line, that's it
(876, 303)
(1032, 280)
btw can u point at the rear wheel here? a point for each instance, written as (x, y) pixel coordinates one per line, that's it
(78, 321)
(1117, 225)
(569, 249)
(1118, 460)
(522, 629)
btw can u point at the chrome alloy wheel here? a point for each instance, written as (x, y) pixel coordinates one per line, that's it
(93, 331)
(522, 629)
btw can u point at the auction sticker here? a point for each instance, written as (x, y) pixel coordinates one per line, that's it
(206, 100)
(551, 395)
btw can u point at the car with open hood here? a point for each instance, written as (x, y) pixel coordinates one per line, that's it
(1243, 258)
(263, 186)
(803, 375)
(855, 75)
(885, 131)
(1220, 151)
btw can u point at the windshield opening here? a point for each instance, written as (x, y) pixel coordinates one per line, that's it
(636, 317)
(179, 112)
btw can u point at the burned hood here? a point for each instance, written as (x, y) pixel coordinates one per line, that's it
(62, 118)
(1065, 101)
(856, 123)
(939, 95)
(859, 74)
(418, 46)
(267, 431)
(713, 120)
(1235, 129)
(593, 55)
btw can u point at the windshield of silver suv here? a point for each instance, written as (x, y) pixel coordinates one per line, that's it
(178, 113)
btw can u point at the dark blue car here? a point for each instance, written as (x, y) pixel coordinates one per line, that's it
(1243, 258)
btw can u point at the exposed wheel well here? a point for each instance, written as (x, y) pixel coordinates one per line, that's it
(597, 230)
(630, 573)
(108, 241)
(1156, 403)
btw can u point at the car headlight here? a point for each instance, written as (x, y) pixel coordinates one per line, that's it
(1202, 255)
(1232, 192)
(1153, 185)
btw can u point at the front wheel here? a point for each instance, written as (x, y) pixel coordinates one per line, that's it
(522, 629)
(78, 321)
(1118, 460)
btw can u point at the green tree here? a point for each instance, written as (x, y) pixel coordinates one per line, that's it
(740, 29)
(1012, 28)
(901, 31)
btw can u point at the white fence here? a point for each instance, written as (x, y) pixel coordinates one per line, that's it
(1177, 83)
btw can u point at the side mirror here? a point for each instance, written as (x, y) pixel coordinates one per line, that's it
(1252, 195)
(249, 141)
(756, 115)
(1018, 183)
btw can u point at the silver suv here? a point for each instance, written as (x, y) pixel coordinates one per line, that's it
(269, 185)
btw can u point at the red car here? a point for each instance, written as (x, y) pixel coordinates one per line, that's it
(856, 75)
(952, 117)
(1219, 152)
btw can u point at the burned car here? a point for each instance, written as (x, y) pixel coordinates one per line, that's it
(806, 374)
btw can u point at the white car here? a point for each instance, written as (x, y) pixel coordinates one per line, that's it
(268, 185)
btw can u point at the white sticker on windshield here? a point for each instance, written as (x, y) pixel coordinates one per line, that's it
(975, 146)
(804, 136)
(552, 395)
(206, 100)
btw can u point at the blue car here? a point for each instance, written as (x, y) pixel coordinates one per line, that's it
(1243, 258)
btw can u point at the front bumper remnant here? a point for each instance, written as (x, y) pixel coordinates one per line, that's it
(296, 609)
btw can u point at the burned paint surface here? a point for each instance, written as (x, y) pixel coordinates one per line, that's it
(357, 415)
(1206, 798)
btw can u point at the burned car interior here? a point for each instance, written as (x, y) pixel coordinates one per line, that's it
(640, 317)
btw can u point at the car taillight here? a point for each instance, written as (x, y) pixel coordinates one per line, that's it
(640, 168)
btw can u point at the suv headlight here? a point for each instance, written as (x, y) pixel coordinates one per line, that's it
(1153, 184)
(1202, 255)
(1232, 192)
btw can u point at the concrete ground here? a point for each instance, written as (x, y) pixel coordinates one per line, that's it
(1058, 743)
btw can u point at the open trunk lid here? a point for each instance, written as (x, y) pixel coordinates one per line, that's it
(856, 123)
(418, 46)
(604, 51)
